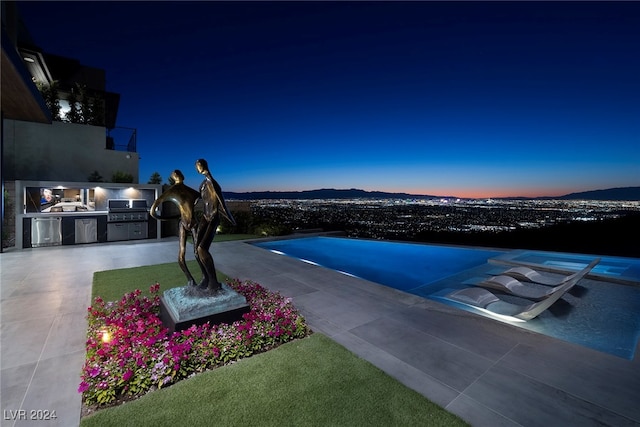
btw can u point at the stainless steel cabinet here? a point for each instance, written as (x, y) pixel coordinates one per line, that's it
(86, 230)
(117, 231)
(127, 231)
(46, 231)
(138, 230)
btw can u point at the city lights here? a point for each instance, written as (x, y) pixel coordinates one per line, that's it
(407, 219)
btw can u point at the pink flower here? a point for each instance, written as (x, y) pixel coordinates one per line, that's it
(141, 345)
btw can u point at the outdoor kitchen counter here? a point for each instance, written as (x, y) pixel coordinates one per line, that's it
(50, 214)
(72, 228)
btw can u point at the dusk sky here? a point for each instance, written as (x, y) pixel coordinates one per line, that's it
(468, 99)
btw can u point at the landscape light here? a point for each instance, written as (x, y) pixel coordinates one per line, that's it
(105, 336)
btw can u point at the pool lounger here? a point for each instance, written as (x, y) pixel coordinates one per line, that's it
(484, 300)
(526, 274)
(532, 291)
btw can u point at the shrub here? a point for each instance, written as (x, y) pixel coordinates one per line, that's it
(122, 177)
(129, 352)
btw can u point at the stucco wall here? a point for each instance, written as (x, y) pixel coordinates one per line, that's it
(61, 152)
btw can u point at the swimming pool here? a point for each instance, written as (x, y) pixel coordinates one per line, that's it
(602, 315)
(403, 266)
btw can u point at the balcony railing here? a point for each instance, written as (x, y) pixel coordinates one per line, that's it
(122, 139)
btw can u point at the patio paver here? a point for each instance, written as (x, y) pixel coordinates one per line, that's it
(487, 372)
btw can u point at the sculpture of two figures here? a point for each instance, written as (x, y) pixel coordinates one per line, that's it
(202, 229)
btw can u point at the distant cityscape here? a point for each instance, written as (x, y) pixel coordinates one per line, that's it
(565, 225)
(408, 218)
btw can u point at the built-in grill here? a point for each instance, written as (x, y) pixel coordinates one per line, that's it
(127, 219)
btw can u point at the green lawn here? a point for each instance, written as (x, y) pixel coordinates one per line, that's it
(308, 382)
(227, 237)
(111, 285)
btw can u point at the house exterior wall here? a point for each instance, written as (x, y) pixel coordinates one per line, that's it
(61, 152)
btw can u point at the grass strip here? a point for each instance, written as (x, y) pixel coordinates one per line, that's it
(308, 382)
(111, 285)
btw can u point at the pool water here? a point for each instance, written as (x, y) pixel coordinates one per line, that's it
(403, 266)
(616, 269)
(603, 315)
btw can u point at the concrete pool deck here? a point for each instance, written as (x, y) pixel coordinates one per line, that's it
(484, 371)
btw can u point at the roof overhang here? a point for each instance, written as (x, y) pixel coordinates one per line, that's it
(21, 99)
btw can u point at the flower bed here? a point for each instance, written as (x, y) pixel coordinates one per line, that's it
(130, 352)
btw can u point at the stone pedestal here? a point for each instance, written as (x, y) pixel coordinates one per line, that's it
(182, 307)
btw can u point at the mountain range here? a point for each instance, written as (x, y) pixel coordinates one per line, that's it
(621, 193)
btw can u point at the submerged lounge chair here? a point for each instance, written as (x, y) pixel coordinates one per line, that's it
(485, 300)
(527, 274)
(530, 291)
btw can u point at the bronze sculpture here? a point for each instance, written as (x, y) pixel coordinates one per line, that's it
(214, 206)
(203, 230)
(185, 198)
